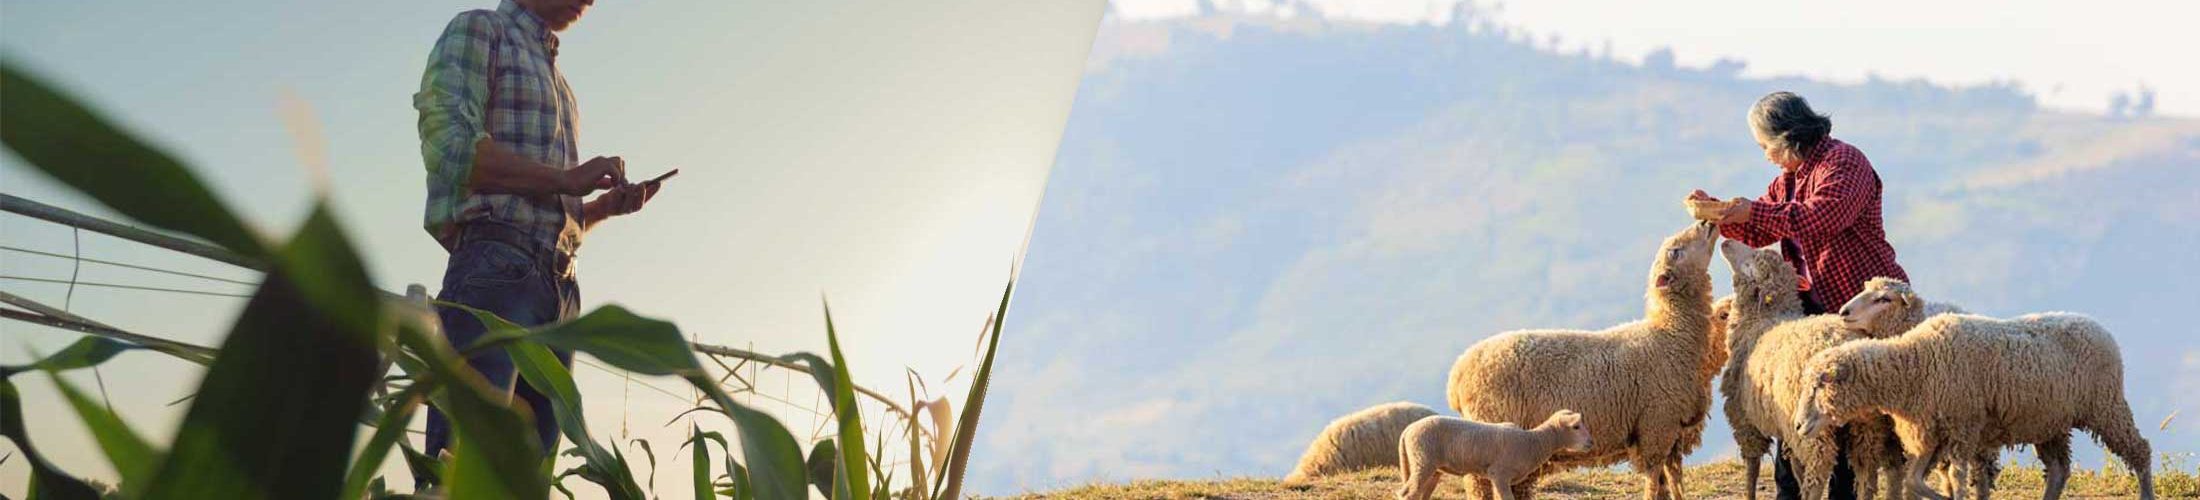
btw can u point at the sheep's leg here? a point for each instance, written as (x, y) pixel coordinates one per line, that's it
(2055, 454)
(1478, 487)
(1985, 469)
(2116, 432)
(1652, 468)
(1920, 466)
(1504, 484)
(1523, 487)
(1674, 474)
(1749, 476)
(1753, 449)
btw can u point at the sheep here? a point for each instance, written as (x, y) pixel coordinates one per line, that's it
(1363, 440)
(1771, 339)
(1887, 307)
(1962, 385)
(1645, 402)
(1503, 453)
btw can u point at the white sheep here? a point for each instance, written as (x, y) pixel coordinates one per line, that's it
(1960, 386)
(1502, 453)
(1364, 439)
(1773, 339)
(1644, 381)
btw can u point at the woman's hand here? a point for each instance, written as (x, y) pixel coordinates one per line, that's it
(1700, 195)
(1737, 214)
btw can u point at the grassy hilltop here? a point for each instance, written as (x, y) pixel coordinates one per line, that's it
(1717, 480)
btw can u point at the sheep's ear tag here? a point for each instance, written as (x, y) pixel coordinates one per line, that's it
(1768, 299)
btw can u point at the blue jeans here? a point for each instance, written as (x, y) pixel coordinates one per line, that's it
(494, 269)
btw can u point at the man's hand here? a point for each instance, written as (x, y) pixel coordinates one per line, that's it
(620, 200)
(1700, 195)
(597, 173)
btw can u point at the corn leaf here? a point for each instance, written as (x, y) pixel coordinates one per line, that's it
(276, 414)
(129, 453)
(388, 430)
(774, 470)
(46, 480)
(68, 141)
(541, 369)
(701, 461)
(84, 353)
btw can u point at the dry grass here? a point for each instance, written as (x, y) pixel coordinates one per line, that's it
(1718, 480)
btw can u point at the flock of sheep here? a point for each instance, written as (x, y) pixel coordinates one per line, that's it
(1909, 388)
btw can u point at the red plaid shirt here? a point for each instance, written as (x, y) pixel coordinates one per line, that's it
(1825, 215)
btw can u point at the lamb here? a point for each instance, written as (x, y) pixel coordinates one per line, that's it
(1962, 385)
(1504, 453)
(1646, 403)
(1365, 439)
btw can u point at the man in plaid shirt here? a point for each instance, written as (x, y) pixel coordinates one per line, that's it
(1823, 211)
(498, 128)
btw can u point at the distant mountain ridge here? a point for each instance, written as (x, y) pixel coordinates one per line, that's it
(1256, 224)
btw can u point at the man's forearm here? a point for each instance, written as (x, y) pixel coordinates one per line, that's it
(499, 170)
(594, 211)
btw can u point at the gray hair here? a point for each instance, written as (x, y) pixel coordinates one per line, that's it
(1788, 121)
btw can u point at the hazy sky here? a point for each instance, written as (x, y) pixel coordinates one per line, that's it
(887, 154)
(2070, 54)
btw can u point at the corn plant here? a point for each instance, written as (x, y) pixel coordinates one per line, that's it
(308, 359)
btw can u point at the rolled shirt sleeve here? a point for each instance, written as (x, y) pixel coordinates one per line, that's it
(1843, 190)
(453, 103)
(1753, 232)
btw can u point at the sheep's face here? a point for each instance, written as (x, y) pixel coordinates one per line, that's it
(1883, 302)
(1761, 276)
(1687, 253)
(1576, 431)
(1832, 398)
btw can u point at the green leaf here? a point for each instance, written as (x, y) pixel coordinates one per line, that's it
(774, 459)
(541, 369)
(610, 333)
(276, 415)
(46, 480)
(388, 430)
(701, 461)
(84, 353)
(852, 456)
(824, 468)
(76, 146)
(129, 453)
(622, 339)
(966, 427)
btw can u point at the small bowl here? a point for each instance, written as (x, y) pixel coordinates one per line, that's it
(1709, 210)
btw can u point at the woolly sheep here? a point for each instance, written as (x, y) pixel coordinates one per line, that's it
(1645, 401)
(1887, 307)
(1503, 452)
(1363, 440)
(1963, 385)
(1774, 340)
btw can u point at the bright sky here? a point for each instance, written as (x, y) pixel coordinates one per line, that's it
(888, 155)
(2072, 55)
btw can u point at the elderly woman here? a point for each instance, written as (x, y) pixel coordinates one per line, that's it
(1824, 211)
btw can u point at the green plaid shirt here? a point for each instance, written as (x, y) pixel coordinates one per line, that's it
(493, 74)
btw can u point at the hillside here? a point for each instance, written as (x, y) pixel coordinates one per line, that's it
(1255, 225)
(1717, 480)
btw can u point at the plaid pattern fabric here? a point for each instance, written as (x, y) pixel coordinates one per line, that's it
(1825, 215)
(494, 74)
